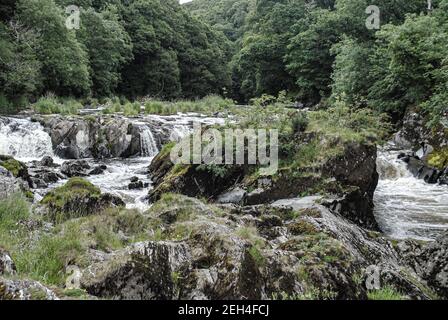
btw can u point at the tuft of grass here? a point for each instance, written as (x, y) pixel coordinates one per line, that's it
(385, 293)
(50, 104)
(47, 259)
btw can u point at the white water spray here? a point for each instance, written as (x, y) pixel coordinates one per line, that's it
(24, 140)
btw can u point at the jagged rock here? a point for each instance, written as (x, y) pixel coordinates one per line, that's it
(433, 261)
(88, 137)
(16, 168)
(443, 179)
(9, 184)
(144, 271)
(136, 185)
(235, 196)
(24, 290)
(47, 161)
(97, 170)
(421, 171)
(76, 168)
(7, 266)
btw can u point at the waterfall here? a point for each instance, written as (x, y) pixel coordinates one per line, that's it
(24, 140)
(390, 167)
(406, 207)
(148, 144)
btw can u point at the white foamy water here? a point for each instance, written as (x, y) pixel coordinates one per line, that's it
(24, 140)
(406, 207)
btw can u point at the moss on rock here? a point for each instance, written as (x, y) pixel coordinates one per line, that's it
(77, 198)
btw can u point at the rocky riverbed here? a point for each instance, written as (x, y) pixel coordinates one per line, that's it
(334, 231)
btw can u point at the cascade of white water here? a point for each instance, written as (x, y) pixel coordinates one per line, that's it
(148, 143)
(24, 140)
(406, 207)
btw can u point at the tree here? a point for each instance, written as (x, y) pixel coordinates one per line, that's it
(108, 46)
(65, 69)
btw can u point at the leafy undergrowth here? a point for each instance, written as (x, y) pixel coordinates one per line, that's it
(386, 293)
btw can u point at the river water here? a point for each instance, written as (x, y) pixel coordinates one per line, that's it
(405, 207)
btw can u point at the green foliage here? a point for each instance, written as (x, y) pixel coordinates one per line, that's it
(65, 69)
(174, 54)
(409, 59)
(108, 46)
(12, 165)
(49, 104)
(385, 293)
(12, 210)
(227, 16)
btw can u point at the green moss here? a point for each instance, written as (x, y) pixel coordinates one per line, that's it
(69, 200)
(439, 159)
(12, 165)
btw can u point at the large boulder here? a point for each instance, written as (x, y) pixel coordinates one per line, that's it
(351, 177)
(14, 177)
(430, 262)
(76, 198)
(24, 290)
(92, 137)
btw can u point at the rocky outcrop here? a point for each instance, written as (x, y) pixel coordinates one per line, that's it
(430, 262)
(421, 170)
(81, 168)
(292, 249)
(429, 157)
(191, 180)
(14, 177)
(92, 137)
(24, 290)
(350, 178)
(76, 198)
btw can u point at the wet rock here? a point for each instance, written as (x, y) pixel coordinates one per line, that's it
(24, 290)
(421, 171)
(47, 162)
(88, 137)
(97, 170)
(76, 168)
(7, 266)
(136, 185)
(443, 179)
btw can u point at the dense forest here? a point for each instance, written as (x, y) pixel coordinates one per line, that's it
(316, 51)
(320, 50)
